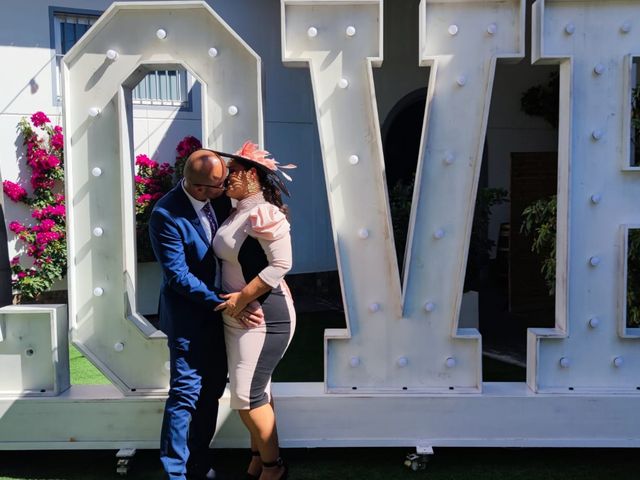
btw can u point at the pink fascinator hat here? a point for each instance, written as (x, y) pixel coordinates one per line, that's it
(250, 155)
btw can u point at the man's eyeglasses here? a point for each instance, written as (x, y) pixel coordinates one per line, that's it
(217, 187)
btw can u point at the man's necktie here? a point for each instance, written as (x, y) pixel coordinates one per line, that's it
(214, 228)
(211, 217)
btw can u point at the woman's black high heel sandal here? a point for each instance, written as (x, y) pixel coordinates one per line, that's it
(278, 463)
(249, 476)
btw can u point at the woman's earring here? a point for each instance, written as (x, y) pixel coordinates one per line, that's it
(252, 186)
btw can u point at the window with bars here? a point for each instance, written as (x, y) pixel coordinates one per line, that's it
(67, 30)
(161, 87)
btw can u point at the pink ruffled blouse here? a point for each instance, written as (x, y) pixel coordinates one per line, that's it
(254, 217)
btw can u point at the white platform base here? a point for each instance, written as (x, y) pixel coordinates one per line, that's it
(505, 415)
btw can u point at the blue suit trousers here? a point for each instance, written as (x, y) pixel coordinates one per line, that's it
(198, 378)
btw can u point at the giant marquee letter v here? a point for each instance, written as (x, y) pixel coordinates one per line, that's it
(402, 339)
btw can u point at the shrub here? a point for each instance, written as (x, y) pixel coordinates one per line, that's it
(42, 256)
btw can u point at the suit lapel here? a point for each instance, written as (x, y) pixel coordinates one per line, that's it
(190, 214)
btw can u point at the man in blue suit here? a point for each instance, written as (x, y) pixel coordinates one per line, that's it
(182, 227)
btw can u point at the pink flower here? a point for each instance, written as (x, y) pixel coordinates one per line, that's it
(165, 169)
(17, 227)
(39, 118)
(57, 141)
(35, 157)
(56, 210)
(57, 129)
(144, 161)
(50, 162)
(143, 198)
(47, 224)
(139, 179)
(187, 146)
(38, 180)
(43, 238)
(15, 261)
(14, 191)
(59, 198)
(49, 211)
(21, 274)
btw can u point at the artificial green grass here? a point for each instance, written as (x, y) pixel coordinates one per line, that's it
(349, 464)
(82, 370)
(304, 360)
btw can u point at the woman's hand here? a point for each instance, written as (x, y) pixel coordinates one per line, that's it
(252, 316)
(234, 304)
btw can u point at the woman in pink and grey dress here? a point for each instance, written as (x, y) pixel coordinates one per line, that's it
(254, 247)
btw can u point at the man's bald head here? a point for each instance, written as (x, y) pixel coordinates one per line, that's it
(204, 173)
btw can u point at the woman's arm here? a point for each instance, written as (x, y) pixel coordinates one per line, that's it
(276, 243)
(237, 301)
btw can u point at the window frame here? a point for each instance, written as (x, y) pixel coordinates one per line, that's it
(55, 43)
(186, 82)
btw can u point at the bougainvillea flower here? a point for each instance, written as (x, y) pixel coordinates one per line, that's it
(39, 119)
(144, 161)
(17, 227)
(143, 198)
(57, 141)
(47, 224)
(187, 146)
(14, 191)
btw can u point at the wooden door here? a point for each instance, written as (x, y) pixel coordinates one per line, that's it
(534, 176)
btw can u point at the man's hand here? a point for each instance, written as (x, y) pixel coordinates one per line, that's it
(252, 316)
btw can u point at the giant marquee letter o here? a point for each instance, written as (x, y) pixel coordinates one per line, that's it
(99, 169)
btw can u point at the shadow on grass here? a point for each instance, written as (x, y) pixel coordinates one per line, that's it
(349, 464)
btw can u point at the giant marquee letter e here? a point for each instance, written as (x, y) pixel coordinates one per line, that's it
(591, 349)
